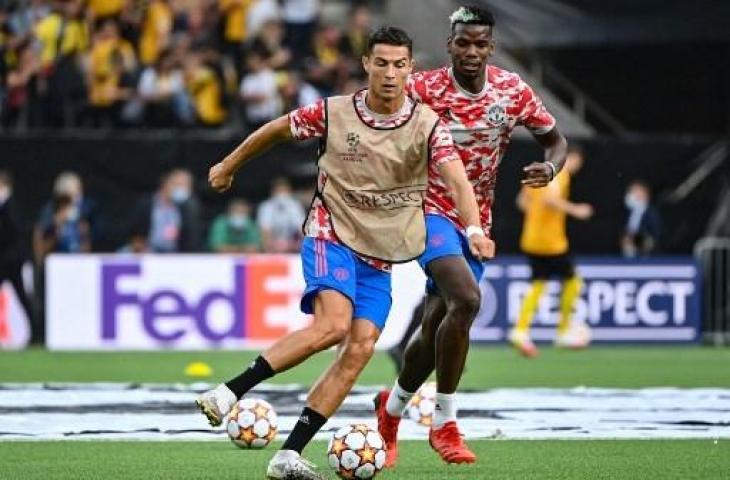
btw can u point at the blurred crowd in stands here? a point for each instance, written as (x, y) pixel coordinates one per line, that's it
(171, 63)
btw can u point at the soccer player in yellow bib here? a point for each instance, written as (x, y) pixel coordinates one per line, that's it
(545, 242)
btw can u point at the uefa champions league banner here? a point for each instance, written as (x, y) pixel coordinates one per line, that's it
(96, 302)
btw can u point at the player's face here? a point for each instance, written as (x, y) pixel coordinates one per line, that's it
(388, 67)
(470, 46)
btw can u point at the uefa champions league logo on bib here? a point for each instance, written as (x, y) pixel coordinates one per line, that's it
(496, 114)
(353, 140)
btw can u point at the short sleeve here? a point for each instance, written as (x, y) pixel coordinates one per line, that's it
(415, 86)
(533, 114)
(308, 121)
(441, 145)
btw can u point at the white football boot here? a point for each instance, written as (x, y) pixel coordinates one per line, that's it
(289, 465)
(578, 336)
(215, 404)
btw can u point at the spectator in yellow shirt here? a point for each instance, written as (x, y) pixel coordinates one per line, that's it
(101, 10)
(112, 58)
(156, 31)
(63, 31)
(545, 242)
(204, 89)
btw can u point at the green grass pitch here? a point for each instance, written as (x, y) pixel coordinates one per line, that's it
(488, 367)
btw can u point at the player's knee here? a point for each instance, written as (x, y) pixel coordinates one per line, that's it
(358, 352)
(465, 303)
(331, 330)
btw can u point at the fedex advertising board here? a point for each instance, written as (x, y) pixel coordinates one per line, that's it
(217, 301)
(187, 301)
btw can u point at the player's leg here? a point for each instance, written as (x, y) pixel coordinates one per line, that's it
(372, 305)
(325, 397)
(519, 336)
(444, 339)
(396, 352)
(327, 297)
(570, 334)
(419, 362)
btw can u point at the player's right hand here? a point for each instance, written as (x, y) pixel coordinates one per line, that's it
(481, 247)
(220, 177)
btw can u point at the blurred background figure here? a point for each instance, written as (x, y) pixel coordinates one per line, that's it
(155, 34)
(205, 91)
(112, 63)
(233, 15)
(235, 231)
(170, 218)
(68, 223)
(545, 242)
(280, 219)
(643, 225)
(259, 91)
(163, 95)
(12, 253)
(300, 17)
(354, 41)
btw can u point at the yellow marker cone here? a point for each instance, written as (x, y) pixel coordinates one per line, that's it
(198, 369)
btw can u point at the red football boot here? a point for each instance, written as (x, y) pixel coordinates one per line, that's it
(388, 428)
(449, 444)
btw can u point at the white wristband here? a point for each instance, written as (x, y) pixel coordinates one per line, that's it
(553, 168)
(474, 230)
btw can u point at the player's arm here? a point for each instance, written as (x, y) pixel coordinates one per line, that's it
(522, 201)
(538, 120)
(455, 178)
(553, 200)
(581, 211)
(221, 174)
(539, 174)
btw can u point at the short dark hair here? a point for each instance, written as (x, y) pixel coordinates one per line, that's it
(390, 36)
(471, 15)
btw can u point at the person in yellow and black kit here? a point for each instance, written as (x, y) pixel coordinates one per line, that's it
(111, 66)
(234, 30)
(205, 91)
(545, 242)
(63, 37)
(156, 31)
(102, 10)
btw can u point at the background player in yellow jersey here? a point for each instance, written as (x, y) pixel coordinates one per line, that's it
(545, 242)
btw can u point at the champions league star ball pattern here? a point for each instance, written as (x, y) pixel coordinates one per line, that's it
(356, 451)
(423, 404)
(252, 423)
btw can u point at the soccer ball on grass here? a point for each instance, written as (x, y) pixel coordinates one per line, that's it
(356, 451)
(252, 423)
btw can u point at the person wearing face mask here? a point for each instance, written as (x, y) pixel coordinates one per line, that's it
(65, 225)
(79, 209)
(642, 225)
(235, 231)
(170, 218)
(280, 219)
(11, 252)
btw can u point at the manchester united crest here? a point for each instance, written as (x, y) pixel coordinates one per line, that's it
(496, 114)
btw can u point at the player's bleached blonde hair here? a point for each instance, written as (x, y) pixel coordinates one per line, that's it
(471, 15)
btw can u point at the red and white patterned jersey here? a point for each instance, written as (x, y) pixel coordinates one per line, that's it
(310, 122)
(481, 125)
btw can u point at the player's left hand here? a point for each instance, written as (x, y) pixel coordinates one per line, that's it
(481, 247)
(537, 175)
